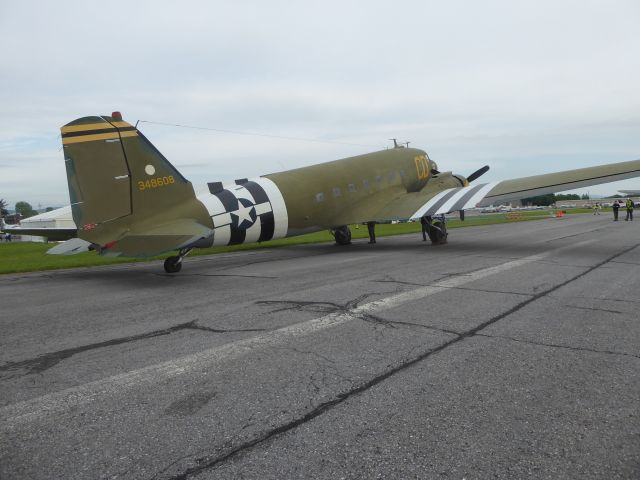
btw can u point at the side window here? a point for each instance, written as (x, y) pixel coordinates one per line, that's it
(320, 197)
(352, 188)
(336, 192)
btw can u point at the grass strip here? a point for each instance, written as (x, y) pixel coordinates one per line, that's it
(19, 257)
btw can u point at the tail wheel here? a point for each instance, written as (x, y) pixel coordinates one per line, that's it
(173, 264)
(342, 235)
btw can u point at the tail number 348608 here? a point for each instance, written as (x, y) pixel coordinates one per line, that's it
(156, 182)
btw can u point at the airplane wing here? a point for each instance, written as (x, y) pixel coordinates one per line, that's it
(461, 198)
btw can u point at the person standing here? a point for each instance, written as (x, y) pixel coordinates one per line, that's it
(629, 206)
(596, 209)
(371, 226)
(424, 221)
(616, 207)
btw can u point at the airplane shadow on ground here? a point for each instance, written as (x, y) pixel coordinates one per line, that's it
(195, 269)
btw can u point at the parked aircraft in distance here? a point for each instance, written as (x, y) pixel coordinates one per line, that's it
(630, 193)
(128, 200)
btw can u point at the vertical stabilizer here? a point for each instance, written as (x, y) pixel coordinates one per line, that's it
(121, 186)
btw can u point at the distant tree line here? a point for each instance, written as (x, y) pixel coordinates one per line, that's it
(551, 198)
(22, 210)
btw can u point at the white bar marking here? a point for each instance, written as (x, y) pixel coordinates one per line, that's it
(471, 203)
(429, 203)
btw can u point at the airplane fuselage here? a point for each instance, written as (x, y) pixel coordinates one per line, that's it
(308, 199)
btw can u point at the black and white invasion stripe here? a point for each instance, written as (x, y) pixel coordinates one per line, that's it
(454, 199)
(244, 212)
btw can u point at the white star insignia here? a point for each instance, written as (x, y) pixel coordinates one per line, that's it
(244, 214)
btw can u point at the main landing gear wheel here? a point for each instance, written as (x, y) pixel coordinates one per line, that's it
(342, 235)
(173, 264)
(437, 231)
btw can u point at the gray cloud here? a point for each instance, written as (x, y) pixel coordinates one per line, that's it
(526, 87)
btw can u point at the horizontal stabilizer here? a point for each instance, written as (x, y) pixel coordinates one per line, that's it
(70, 247)
(156, 239)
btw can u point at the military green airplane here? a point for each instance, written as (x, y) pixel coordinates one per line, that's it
(128, 200)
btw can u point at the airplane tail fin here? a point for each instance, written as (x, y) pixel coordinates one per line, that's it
(121, 185)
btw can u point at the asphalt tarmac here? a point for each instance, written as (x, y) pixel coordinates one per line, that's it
(511, 352)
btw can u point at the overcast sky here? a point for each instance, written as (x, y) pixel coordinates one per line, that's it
(526, 87)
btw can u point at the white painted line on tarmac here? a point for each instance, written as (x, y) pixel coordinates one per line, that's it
(206, 361)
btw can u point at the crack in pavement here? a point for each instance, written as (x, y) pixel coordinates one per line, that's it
(578, 234)
(330, 307)
(626, 263)
(561, 264)
(44, 362)
(468, 289)
(368, 317)
(595, 309)
(599, 298)
(207, 463)
(319, 307)
(310, 306)
(555, 345)
(195, 326)
(401, 283)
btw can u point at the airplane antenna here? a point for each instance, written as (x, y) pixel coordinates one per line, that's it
(280, 137)
(402, 145)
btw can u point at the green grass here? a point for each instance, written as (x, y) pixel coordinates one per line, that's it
(18, 257)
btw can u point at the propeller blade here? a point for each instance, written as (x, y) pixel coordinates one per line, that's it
(478, 173)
